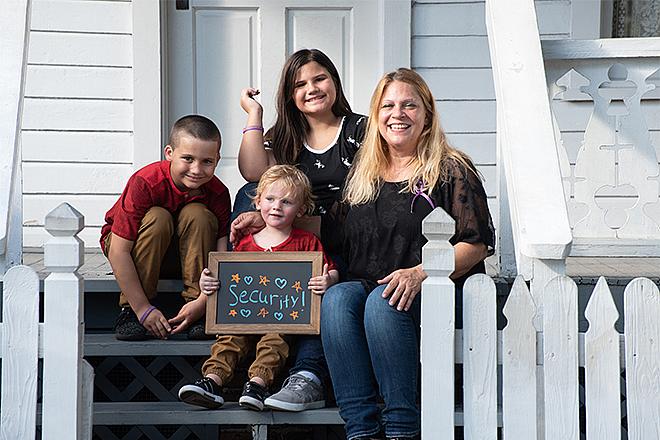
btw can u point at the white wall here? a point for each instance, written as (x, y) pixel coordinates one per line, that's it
(78, 114)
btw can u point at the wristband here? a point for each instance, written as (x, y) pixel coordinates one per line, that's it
(146, 314)
(253, 128)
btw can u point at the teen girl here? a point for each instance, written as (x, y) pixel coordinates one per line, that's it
(316, 131)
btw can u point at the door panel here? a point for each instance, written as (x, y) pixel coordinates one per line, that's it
(218, 47)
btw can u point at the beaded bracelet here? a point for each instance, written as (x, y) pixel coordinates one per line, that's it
(253, 128)
(146, 314)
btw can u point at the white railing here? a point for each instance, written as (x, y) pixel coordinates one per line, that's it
(539, 386)
(14, 32)
(606, 107)
(527, 152)
(67, 380)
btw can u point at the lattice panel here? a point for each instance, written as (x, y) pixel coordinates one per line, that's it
(156, 433)
(143, 378)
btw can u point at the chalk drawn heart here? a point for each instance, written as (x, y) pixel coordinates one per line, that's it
(278, 315)
(246, 312)
(247, 279)
(280, 282)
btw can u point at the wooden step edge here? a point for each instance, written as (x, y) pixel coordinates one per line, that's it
(105, 344)
(178, 413)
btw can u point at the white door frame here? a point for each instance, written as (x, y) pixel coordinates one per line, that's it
(149, 76)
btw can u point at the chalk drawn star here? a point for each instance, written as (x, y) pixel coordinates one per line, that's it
(263, 279)
(263, 312)
(232, 313)
(235, 278)
(296, 286)
(294, 315)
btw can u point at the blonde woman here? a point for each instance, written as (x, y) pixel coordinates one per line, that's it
(404, 170)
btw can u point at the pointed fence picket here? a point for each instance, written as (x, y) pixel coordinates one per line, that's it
(642, 330)
(602, 367)
(519, 364)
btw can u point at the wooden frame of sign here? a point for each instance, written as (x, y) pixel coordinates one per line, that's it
(264, 292)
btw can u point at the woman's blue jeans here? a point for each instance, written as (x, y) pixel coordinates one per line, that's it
(372, 350)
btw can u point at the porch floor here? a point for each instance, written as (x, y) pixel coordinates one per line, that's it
(98, 274)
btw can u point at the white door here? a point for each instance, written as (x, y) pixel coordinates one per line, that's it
(218, 47)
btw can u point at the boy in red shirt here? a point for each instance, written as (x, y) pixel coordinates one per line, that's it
(171, 213)
(283, 194)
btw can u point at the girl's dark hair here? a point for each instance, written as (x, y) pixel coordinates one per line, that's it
(288, 134)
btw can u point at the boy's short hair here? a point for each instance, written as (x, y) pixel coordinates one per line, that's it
(198, 126)
(293, 180)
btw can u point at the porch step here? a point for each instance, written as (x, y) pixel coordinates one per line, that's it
(177, 413)
(168, 413)
(105, 344)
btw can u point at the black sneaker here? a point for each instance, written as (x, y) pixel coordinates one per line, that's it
(197, 331)
(253, 396)
(128, 327)
(205, 392)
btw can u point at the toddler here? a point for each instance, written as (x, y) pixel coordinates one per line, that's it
(283, 194)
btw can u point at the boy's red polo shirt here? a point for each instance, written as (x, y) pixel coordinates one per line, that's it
(153, 186)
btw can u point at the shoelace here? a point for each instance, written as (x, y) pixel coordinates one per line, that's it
(295, 383)
(206, 384)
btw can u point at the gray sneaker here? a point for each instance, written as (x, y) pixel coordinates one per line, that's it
(297, 394)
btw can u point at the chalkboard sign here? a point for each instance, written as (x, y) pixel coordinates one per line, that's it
(264, 292)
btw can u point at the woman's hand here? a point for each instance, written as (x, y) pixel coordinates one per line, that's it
(248, 103)
(246, 223)
(190, 312)
(207, 284)
(403, 285)
(318, 285)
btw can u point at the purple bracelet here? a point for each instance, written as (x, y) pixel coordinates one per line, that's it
(253, 128)
(146, 314)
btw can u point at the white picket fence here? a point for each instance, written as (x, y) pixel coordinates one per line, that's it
(539, 380)
(539, 370)
(67, 379)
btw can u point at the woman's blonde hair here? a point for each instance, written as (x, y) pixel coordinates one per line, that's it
(293, 180)
(372, 159)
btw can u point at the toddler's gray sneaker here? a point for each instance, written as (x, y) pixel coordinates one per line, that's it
(297, 394)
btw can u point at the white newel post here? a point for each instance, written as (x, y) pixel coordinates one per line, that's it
(437, 334)
(66, 376)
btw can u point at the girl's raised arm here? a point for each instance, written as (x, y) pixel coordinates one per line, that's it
(253, 158)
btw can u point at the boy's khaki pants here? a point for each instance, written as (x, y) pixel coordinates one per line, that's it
(169, 246)
(227, 352)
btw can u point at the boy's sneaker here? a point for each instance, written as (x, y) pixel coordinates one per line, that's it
(297, 394)
(205, 392)
(253, 396)
(128, 327)
(197, 331)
